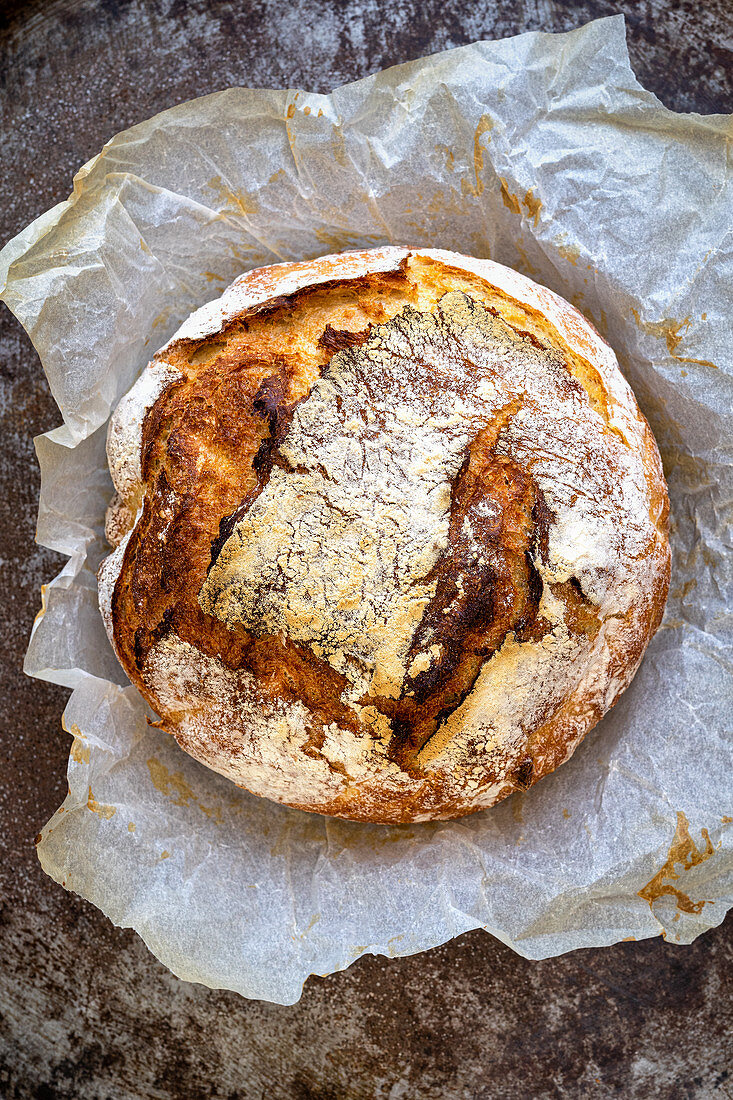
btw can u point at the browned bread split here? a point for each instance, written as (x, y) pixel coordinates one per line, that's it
(391, 533)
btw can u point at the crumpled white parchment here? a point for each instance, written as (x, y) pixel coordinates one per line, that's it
(544, 153)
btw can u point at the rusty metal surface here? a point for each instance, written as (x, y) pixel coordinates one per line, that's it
(85, 1011)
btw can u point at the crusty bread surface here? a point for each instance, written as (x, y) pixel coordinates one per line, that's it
(390, 533)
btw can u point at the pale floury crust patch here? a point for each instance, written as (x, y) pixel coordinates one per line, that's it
(337, 550)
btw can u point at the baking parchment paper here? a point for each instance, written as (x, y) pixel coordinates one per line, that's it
(544, 153)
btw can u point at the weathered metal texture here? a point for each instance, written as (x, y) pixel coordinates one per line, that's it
(85, 1011)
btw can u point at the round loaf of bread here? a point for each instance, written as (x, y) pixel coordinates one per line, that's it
(391, 533)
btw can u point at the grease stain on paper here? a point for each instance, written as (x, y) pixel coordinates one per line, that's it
(685, 589)
(569, 252)
(79, 752)
(41, 613)
(534, 206)
(341, 240)
(79, 748)
(99, 807)
(231, 202)
(513, 202)
(509, 199)
(685, 852)
(485, 126)
(672, 332)
(174, 786)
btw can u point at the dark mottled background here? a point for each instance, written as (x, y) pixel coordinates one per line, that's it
(85, 1011)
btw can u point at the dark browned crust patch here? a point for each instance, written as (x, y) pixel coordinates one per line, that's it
(334, 340)
(272, 405)
(487, 587)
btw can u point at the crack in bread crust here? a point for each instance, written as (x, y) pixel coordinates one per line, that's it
(487, 586)
(391, 526)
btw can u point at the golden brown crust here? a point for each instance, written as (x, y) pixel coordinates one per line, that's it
(234, 668)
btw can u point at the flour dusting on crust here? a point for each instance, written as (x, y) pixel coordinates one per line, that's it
(354, 540)
(338, 549)
(124, 434)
